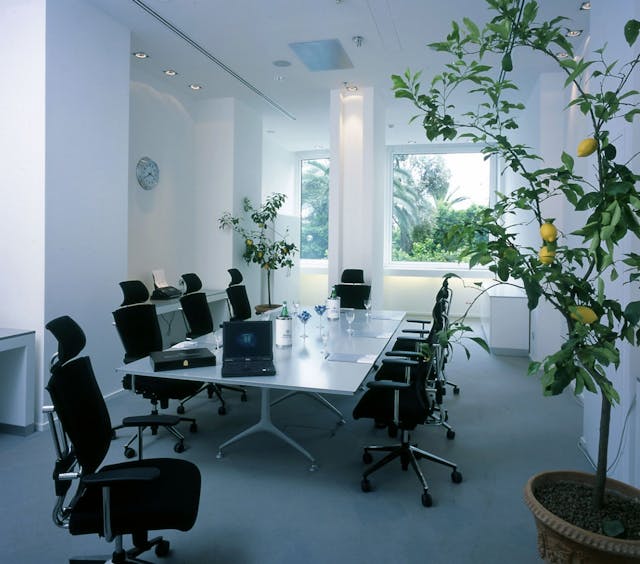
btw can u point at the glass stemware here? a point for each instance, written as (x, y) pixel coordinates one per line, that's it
(217, 336)
(320, 309)
(304, 316)
(350, 315)
(367, 306)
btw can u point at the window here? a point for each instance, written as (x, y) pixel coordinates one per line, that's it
(314, 208)
(431, 190)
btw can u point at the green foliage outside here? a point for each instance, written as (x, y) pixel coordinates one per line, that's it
(314, 216)
(580, 272)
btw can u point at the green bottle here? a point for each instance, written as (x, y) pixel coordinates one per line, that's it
(285, 310)
(333, 295)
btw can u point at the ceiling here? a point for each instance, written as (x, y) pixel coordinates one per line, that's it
(247, 36)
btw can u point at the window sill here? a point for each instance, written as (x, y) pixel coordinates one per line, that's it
(435, 270)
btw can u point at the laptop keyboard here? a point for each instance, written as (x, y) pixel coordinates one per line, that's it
(253, 368)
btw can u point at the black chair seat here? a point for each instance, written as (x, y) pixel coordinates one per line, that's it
(133, 504)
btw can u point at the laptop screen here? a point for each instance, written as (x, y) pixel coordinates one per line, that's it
(244, 340)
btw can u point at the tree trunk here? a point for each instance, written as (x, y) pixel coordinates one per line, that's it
(269, 286)
(603, 447)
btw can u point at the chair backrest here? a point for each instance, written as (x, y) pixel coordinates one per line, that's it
(191, 282)
(70, 336)
(353, 295)
(236, 276)
(197, 313)
(352, 276)
(134, 292)
(139, 330)
(239, 302)
(81, 410)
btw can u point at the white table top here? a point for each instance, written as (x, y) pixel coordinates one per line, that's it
(166, 306)
(304, 366)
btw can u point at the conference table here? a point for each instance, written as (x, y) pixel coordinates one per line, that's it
(339, 366)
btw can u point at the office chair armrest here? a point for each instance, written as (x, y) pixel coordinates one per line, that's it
(423, 321)
(412, 355)
(387, 385)
(417, 331)
(148, 420)
(402, 361)
(122, 475)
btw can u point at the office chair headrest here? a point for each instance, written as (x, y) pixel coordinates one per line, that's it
(352, 276)
(70, 337)
(134, 292)
(236, 276)
(192, 282)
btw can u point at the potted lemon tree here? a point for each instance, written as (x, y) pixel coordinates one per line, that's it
(574, 270)
(263, 245)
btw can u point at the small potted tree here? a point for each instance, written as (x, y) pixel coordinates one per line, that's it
(574, 271)
(263, 245)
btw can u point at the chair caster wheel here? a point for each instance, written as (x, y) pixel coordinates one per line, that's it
(129, 452)
(366, 457)
(427, 500)
(162, 548)
(451, 434)
(365, 485)
(180, 409)
(193, 427)
(456, 477)
(456, 391)
(179, 447)
(222, 410)
(243, 397)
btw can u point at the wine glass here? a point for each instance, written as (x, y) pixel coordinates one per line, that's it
(296, 307)
(304, 316)
(324, 336)
(349, 315)
(320, 309)
(367, 306)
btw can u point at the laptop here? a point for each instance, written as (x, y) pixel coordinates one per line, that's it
(247, 348)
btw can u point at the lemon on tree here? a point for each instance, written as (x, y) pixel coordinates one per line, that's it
(546, 255)
(584, 314)
(586, 147)
(548, 232)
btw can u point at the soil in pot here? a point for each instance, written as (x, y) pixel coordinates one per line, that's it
(572, 502)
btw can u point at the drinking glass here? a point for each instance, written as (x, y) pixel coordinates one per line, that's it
(324, 335)
(349, 315)
(367, 306)
(217, 336)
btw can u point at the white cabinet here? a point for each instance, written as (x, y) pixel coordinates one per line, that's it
(505, 320)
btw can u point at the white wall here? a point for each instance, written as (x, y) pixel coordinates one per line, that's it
(22, 168)
(87, 111)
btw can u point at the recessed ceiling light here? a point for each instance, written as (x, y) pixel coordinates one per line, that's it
(391, 126)
(411, 142)
(350, 87)
(574, 32)
(281, 63)
(195, 86)
(585, 6)
(270, 131)
(170, 72)
(562, 55)
(140, 55)
(279, 77)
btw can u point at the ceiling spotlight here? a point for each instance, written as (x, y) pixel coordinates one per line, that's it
(350, 87)
(140, 55)
(281, 63)
(170, 72)
(279, 77)
(562, 55)
(357, 40)
(585, 6)
(574, 32)
(195, 86)
(411, 142)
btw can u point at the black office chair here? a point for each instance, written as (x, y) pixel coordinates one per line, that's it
(195, 308)
(127, 498)
(139, 332)
(238, 298)
(190, 282)
(352, 276)
(403, 405)
(353, 295)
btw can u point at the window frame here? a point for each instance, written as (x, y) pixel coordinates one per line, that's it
(414, 268)
(312, 266)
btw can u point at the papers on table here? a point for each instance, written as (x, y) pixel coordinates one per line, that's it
(353, 357)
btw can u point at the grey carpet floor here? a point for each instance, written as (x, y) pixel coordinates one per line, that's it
(260, 504)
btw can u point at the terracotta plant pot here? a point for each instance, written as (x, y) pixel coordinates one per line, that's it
(561, 542)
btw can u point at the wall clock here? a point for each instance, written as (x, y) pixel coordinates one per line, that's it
(147, 173)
